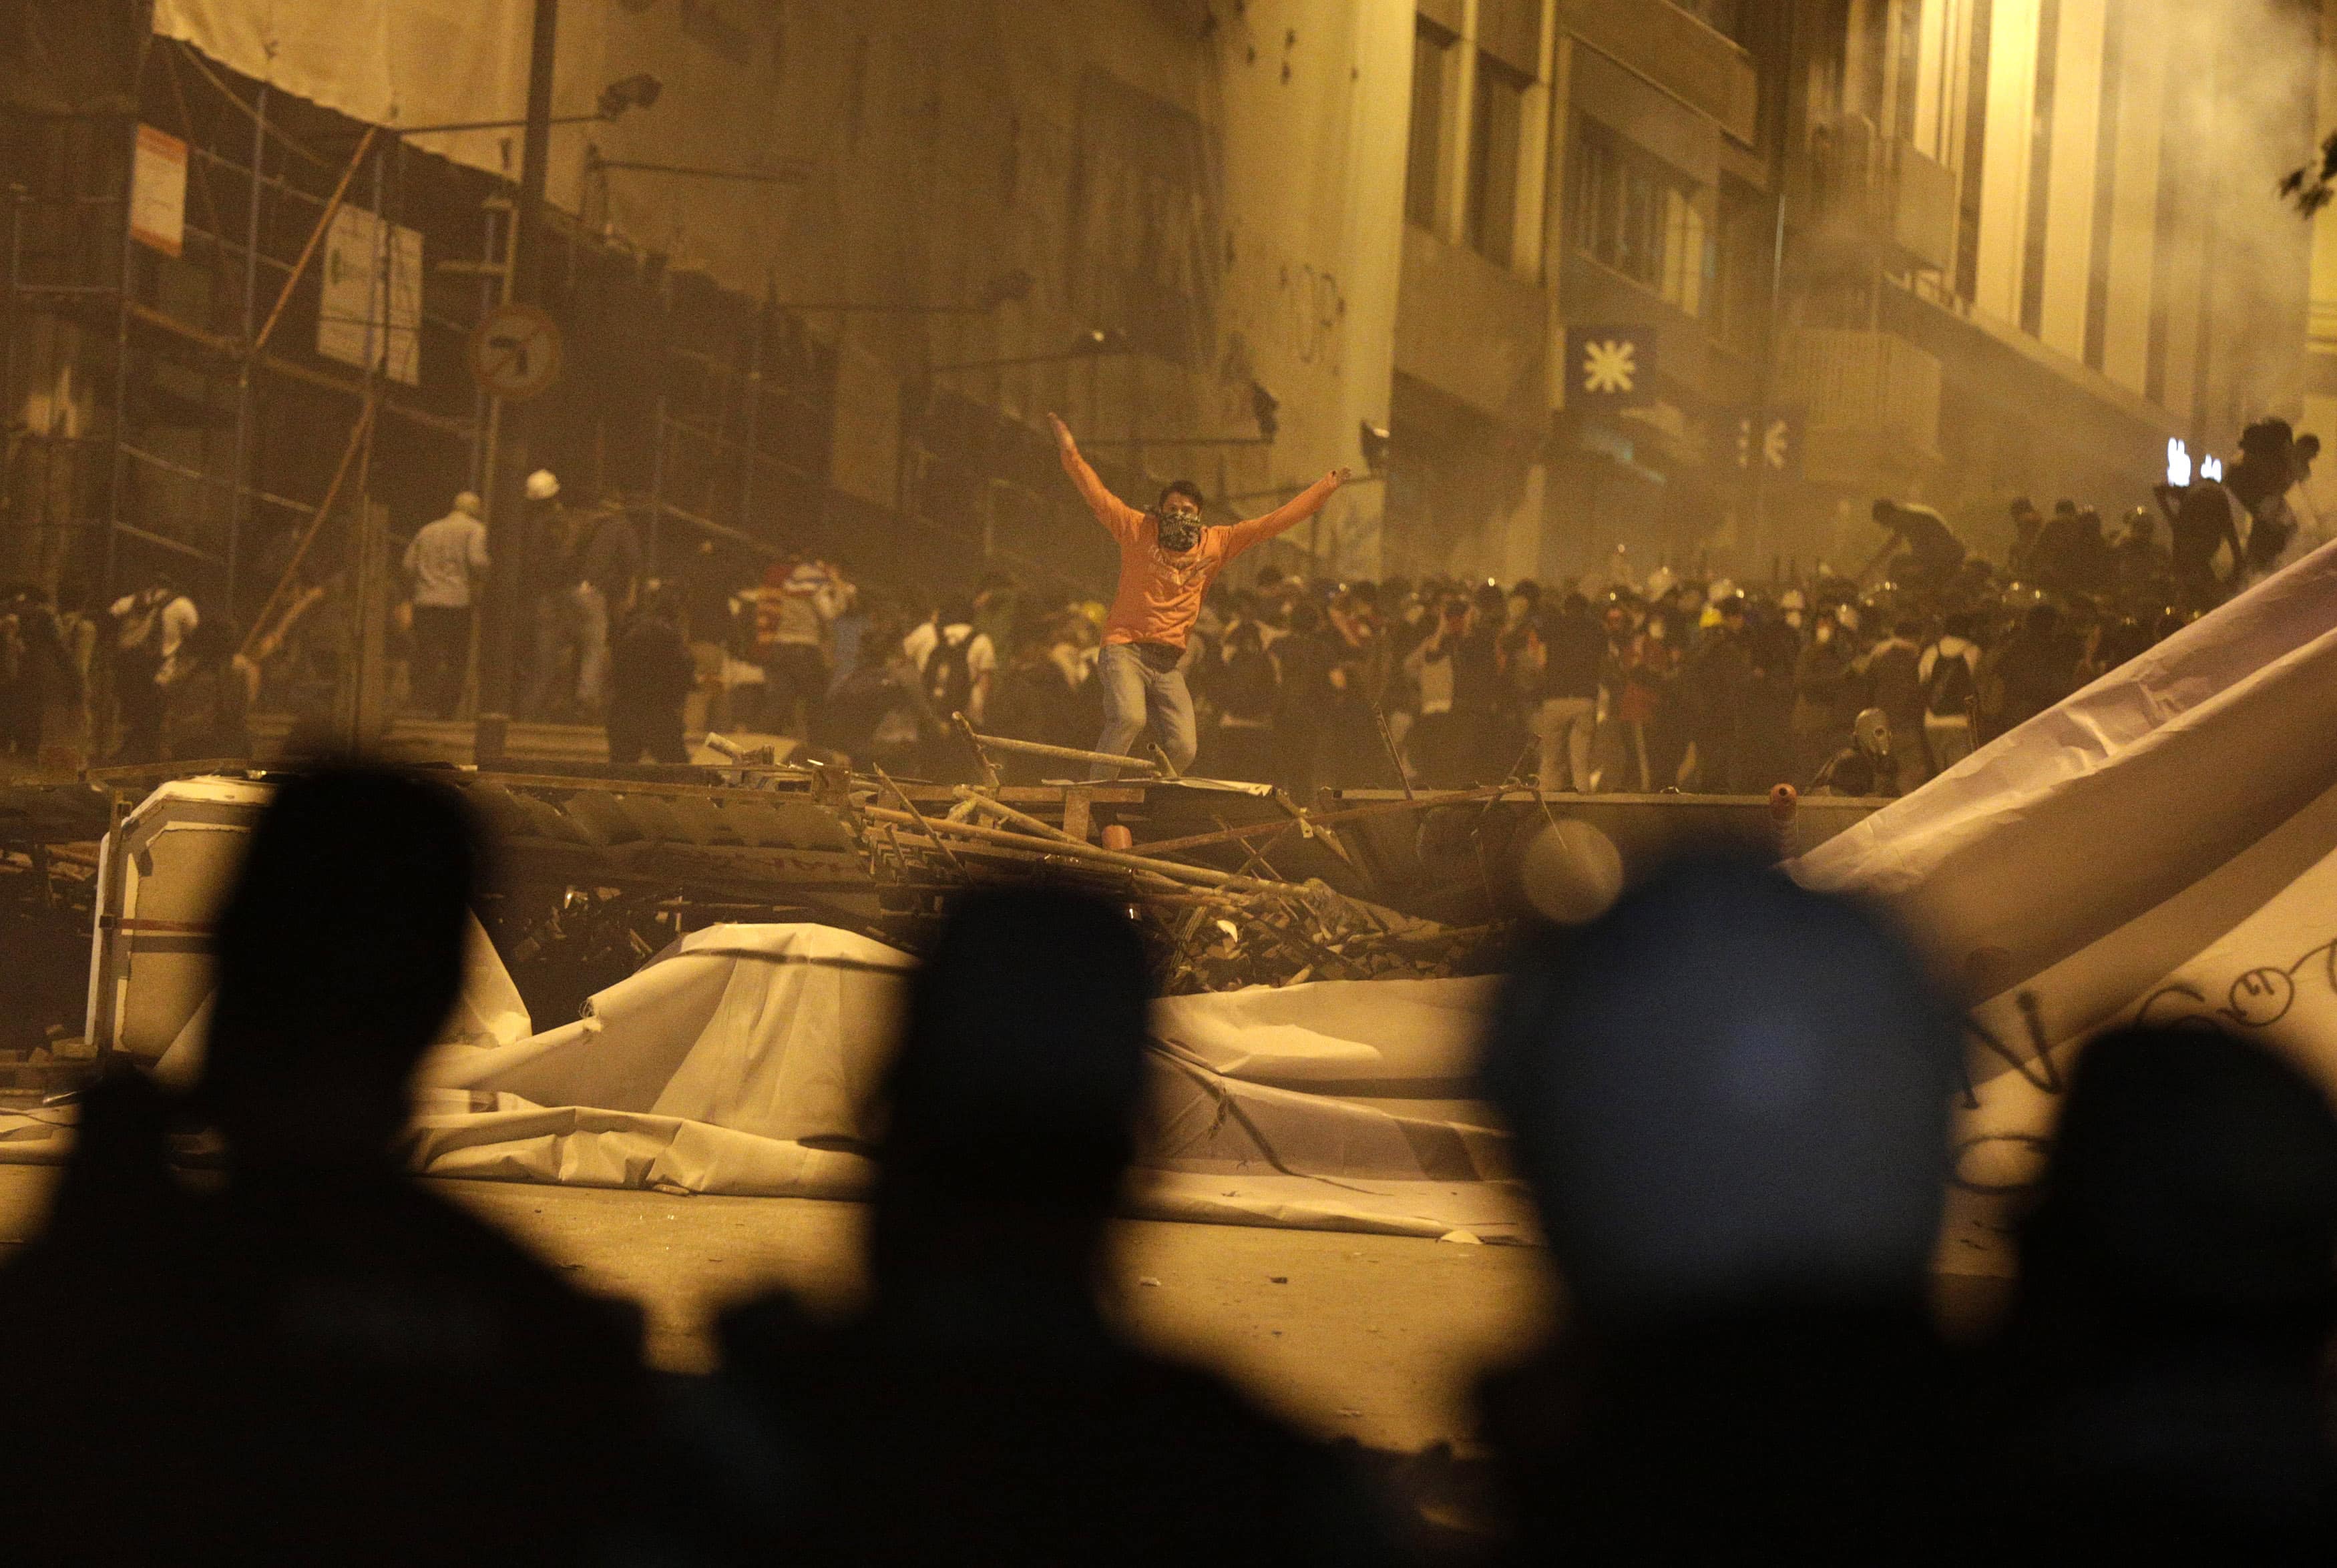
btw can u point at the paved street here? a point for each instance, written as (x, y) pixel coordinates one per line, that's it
(1366, 1336)
(1362, 1336)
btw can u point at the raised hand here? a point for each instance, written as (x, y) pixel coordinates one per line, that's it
(1063, 441)
(1339, 476)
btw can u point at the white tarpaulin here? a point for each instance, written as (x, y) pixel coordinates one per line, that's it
(746, 1059)
(2164, 837)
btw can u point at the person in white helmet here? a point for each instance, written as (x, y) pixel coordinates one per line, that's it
(548, 588)
(446, 565)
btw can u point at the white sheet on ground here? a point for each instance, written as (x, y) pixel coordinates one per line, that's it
(746, 1059)
(488, 1011)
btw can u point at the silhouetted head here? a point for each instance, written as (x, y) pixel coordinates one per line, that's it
(1014, 1097)
(1728, 1091)
(2194, 1175)
(340, 954)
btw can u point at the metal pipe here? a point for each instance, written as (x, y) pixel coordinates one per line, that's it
(1065, 752)
(1175, 871)
(368, 553)
(507, 511)
(1758, 460)
(754, 411)
(236, 476)
(316, 237)
(113, 498)
(324, 509)
(1098, 351)
(656, 430)
(9, 408)
(1008, 814)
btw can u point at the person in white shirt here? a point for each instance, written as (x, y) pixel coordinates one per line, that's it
(444, 565)
(954, 628)
(149, 626)
(1947, 675)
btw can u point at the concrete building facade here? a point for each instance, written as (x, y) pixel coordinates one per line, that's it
(788, 284)
(1955, 250)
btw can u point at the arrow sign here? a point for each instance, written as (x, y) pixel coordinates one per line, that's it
(516, 353)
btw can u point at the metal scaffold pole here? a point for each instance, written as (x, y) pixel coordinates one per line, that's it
(507, 510)
(11, 406)
(118, 479)
(238, 480)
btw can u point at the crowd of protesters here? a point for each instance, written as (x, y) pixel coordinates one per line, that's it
(1864, 685)
(1857, 683)
(1728, 1097)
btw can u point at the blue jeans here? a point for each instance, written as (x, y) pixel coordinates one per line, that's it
(1135, 693)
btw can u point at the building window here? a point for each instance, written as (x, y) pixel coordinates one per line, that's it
(2040, 168)
(1975, 152)
(1747, 249)
(1432, 70)
(1496, 132)
(1634, 213)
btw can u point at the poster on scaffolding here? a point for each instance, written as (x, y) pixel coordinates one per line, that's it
(158, 191)
(369, 309)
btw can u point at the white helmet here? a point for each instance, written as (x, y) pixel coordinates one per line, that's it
(543, 485)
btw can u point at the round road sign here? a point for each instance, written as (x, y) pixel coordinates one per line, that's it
(516, 353)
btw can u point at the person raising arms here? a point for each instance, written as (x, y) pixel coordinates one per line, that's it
(1168, 560)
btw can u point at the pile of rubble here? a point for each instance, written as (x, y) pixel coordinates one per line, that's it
(1214, 930)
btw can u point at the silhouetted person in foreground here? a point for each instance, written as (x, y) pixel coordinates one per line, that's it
(2165, 1364)
(1730, 1098)
(982, 1410)
(424, 1390)
(113, 1354)
(344, 1367)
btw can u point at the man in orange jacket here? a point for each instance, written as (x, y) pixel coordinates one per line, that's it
(1167, 562)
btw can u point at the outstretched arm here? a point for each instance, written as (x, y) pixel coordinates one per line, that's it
(1121, 519)
(1289, 514)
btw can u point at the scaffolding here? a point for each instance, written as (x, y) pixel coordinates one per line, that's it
(167, 415)
(204, 460)
(177, 414)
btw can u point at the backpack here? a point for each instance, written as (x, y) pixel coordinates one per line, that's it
(1247, 686)
(1948, 693)
(948, 675)
(141, 626)
(2269, 532)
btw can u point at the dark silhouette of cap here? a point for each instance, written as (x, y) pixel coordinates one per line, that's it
(2193, 1168)
(1726, 1087)
(1021, 1062)
(340, 954)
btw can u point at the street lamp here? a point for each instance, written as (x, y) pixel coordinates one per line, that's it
(789, 171)
(1007, 286)
(1096, 343)
(1264, 407)
(640, 90)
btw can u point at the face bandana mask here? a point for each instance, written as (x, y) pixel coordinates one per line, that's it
(1179, 531)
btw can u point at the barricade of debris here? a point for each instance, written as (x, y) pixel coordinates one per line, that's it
(1213, 928)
